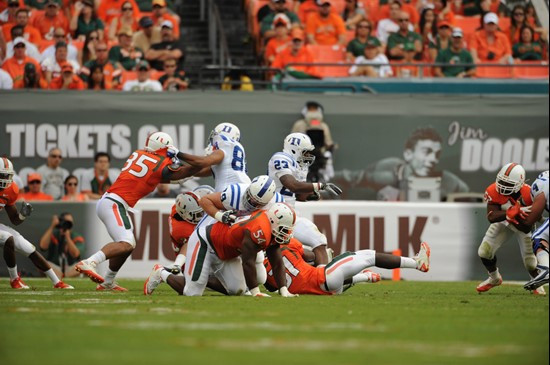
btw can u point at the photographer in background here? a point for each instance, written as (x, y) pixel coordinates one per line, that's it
(63, 245)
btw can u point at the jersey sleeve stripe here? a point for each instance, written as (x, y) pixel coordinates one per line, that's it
(232, 195)
(238, 196)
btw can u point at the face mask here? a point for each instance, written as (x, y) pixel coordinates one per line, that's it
(314, 115)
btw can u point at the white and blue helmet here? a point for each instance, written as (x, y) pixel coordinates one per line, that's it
(259, 193)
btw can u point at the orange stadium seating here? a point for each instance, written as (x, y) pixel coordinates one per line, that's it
(488, 72)
(329, 54)
(532, 72)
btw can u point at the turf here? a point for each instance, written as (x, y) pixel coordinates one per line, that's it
(384, 323)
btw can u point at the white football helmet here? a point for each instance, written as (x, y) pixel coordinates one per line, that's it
(282, 219)
(203, 190)
(157, 141)
(300, 147)
(6, 173)
(188, 208)
(510, 179)
(259, 193)
(228, 130)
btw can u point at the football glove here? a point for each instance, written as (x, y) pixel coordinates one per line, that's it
(172, 151)
(515, 211)
(174, 269)
(285, 293)
(227, 217)
(26, 209)
(331, 188)
(255, 292)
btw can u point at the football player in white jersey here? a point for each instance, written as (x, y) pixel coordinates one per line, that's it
(289, 170)
(539, 192)
(225, 159)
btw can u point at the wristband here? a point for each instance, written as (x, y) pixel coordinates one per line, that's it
(284, 291)
(219, 216)
(316, 187)
(22, 217)
(255, 291)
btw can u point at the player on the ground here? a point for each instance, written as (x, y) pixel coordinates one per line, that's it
(225, 159)
(539, 193)
(141, 174)
(508, 199)
(12, 240)
(343, 271)
(230, 253)
(289, 170)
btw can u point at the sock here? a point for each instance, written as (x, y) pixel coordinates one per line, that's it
(13, 272)
(165, 274)
(97, 257)
(360, 278)
(110, 277)
(494, 275)
(51, 275)
(180, 260)
(408, 263)
(542, 258)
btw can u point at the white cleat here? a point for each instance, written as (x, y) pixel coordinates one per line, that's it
(539, 291)
(423, 258)
(88, 269)
(539, 281)
(489, 284)
(153, 281)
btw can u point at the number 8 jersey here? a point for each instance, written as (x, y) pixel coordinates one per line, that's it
(232, 170)
(281, 164)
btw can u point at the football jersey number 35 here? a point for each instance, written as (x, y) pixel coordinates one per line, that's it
(137, 166)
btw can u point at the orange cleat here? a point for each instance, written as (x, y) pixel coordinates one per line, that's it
(18, 284)
(111, 287)
(374, 276)
(489, 284)
(62, 285)
(423, 258)
(88, 269)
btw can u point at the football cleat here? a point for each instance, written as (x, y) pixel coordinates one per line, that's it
(374, 277)
(110, 287)
(423, 258)
(88, 269)
(17, 283)
(540, 280)
(539, 291)
(489, 284)
(62, 285)
(153, 281)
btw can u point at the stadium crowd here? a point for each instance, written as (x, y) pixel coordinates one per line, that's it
(134, 45)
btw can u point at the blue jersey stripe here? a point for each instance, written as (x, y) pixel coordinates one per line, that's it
(238, 196)
(232, 195)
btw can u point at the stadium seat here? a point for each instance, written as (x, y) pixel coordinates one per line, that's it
(329, 54)
(532, 72)
(350, 34)
(494, 72)
(371, 8)
(468, 24)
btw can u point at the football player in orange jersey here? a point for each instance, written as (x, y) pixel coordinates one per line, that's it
(12, 240)
(141, 174)
(230, 252)
(342, 272)
(508, 199)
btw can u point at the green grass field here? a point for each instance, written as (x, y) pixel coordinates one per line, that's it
(383, 323)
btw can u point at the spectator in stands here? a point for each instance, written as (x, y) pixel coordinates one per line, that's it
(304, 8)
(8, 15)
(64, 245)
(109, 9)
(455, 54)
(160, 14)
(442, 40)
(125, 54)
(96, 81)
(397, 41)
(88, 50)
(173, 79)
(30, 49)
(167, 48)
(30, 33)
(237, 80)
(51, 19)
(147, 35)
(372, 63)
(279, 7)
(443, 11)
(96, 181)
(15, 66)
(52, 65)
(127, 20)
(53, 174)
(353, 13)
(389, 25)
(384, 12)
(281, 40)
(60, 35)
(427, 27)
(39, 4)
(32, 79)
(407, 70)
(111, 75)
(265, 10)
(143, 81)
(163, 191)
(6, 83)
(67, 80)
(527, 49)
(34, 193)
(490, 44)
(71, 189)
(84, 20)
(325, 27)
(363, 33)
(296, 53)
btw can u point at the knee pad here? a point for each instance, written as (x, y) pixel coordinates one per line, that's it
(261, 273)
(486, 251)
(530, 262)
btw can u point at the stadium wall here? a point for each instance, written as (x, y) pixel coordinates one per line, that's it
(479, 133)
(454, 231)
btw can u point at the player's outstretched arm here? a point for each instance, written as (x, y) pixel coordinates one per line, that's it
(18, 217)
(273, 253)
(248, 256)
(536, 211)
(212, 204)
(214, 158)
(172, 173)
(299, 187)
